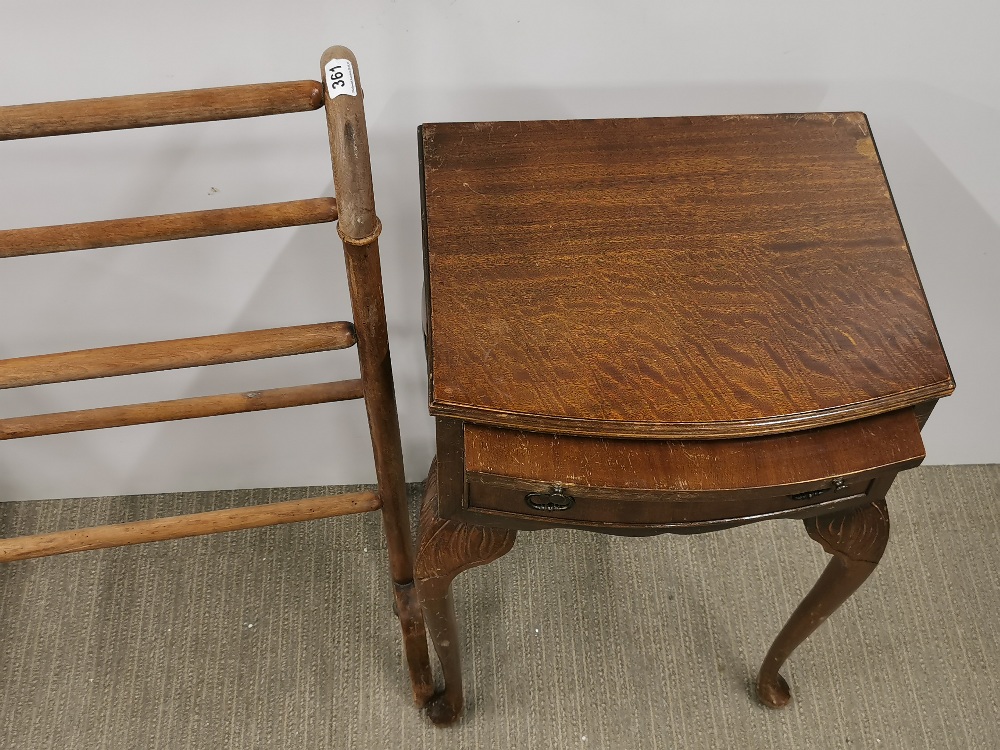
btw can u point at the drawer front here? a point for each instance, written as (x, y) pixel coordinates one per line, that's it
(546, 503)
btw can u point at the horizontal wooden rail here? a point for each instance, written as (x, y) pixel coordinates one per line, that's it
(171, 355)
(184, 408)
(116, 232)
(178, 527)
(166, 108)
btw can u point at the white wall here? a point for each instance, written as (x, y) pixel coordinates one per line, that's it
(926, 73)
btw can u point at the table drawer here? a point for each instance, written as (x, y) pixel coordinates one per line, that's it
(533, 480)
(558, 504)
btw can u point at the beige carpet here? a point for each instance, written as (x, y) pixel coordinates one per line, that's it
(284, 638)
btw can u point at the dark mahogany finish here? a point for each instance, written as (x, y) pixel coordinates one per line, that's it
(478, 491)
(667, 325)
(682, 277)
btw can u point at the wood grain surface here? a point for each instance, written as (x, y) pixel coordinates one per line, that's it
(685, 277)
(697, 466)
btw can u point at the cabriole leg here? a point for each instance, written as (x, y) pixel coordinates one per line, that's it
(856, 538)
(445, 549)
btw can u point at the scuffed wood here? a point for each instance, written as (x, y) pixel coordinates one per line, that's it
(447, 548)
(887, 440)
(732, 294)
(164, 108)
(859, 535)
(856, 538)
(193, 524)
(358, 227)
(705, 277)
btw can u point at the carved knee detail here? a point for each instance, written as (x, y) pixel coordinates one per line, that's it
(446, 548)
(859, 534)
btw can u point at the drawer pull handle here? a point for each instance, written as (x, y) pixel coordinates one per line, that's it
(556, 499)
(838, 484)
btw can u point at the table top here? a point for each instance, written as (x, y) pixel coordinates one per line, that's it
(670, 277)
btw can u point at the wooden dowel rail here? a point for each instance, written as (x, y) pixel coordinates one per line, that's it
(180, 226)
(185, 408)
(165, 108)
(178, 353)
(358, 227)
(178, 527)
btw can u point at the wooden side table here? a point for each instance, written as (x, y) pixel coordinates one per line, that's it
(667, 325)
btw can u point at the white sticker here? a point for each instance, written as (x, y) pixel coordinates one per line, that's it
(340, 78)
